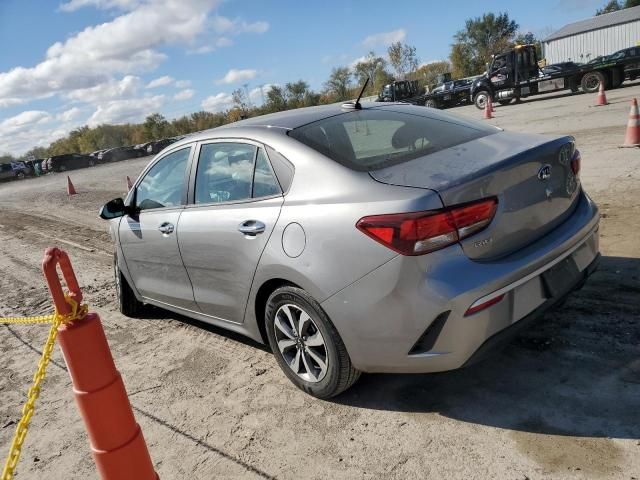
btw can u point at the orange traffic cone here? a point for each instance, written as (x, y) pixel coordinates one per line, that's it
(129, 183)
(71, 190)
(487, 109)
(117, 443)
(602, 98)
(632, 137)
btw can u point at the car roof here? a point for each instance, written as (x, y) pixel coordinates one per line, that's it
(281, 122)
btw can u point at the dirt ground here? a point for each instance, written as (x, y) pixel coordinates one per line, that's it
(562, 401)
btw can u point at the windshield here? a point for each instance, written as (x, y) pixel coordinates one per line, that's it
(371, 139)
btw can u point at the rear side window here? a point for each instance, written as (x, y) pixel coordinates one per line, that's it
(374, 138)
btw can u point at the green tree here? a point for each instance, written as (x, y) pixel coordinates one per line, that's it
(276, 99)
(369, 68)
(156, 127)
(240, 100)
(403, 59)
(481, 38)
(612, 6)
(295, 93)
(338, 85)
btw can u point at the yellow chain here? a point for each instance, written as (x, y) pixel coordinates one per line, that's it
(34, 391)
(28, 320)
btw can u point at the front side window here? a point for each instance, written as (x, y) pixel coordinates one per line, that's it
(163, 184)
(371, 139)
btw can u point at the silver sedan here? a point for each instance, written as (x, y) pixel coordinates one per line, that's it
(383, 238)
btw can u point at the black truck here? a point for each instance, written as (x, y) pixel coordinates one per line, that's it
(516, 74)
(446, 94)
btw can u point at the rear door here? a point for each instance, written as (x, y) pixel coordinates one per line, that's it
(149, 239)
(236, 202)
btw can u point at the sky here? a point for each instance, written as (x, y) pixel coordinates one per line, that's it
(68, 63)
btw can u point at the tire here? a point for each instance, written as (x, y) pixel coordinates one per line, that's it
(480, 99)
(20, 175)
(591, 82)
(92, 163)
(317, 339)
(128, 304)
(431, 103)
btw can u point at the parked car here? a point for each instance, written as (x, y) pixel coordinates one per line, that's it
(385, 238)
(68, 161)
(13, 170)
(158, 146)
(118, 153)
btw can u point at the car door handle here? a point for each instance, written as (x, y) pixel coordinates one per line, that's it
(251, 227)
(166, 228)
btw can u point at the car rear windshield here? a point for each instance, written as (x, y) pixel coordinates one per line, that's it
(371, 139)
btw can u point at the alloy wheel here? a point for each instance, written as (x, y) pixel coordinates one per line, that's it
(301, 343)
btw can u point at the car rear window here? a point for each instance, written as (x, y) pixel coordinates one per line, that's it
(371, 139)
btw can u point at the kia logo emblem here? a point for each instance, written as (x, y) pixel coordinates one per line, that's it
(544, 173)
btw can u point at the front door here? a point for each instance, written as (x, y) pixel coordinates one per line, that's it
(237, 202)
(149, 238)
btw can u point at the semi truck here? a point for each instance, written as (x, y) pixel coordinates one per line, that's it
(516, 74)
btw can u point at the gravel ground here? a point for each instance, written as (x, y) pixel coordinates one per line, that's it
(560, 402)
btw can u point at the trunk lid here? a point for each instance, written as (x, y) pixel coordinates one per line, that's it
(512, 167)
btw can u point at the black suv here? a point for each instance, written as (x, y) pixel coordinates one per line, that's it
(68, 161)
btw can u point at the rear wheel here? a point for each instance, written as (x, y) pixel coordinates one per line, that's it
(480, 99)
(592, 80)
(128, 304)
(306, 345)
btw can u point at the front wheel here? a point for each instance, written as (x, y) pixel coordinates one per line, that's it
(306, 345)
(480, 99)
(592, 80)
(128, 304)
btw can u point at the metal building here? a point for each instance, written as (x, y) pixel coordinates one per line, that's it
(587, 39)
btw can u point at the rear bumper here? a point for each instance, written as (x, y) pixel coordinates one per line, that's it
(409, 314)
(502, 338)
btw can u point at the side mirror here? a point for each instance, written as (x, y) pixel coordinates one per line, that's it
(113, 209)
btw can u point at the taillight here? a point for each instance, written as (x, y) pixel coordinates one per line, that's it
(575, 162)
(417, 233)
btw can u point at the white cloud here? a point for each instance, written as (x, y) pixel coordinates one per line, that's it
(184, 94)
(357, 61)
(217, 103)
(182, 83)
(224, 42)
(160, 81)
(73, 5)
(26, 130)
(235, 76)
(11, 102)
(69, 115)
(385, 38)
(23, 120)
(224, 25)
(126, 44)
(112, 89)
(124, 111)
